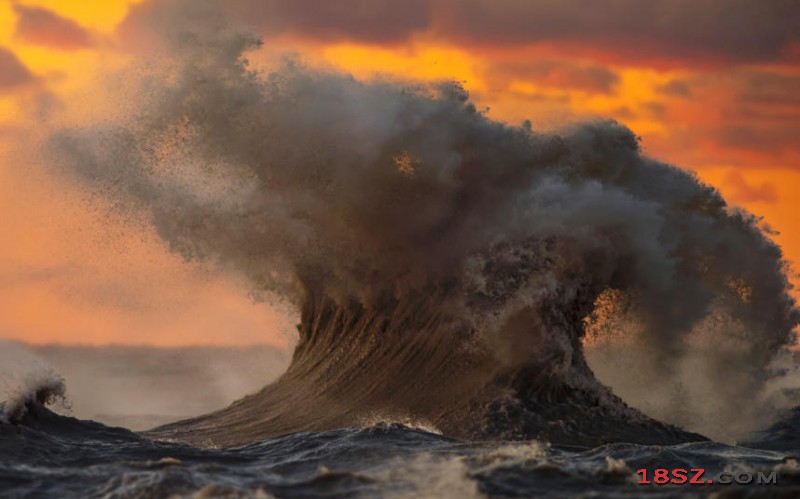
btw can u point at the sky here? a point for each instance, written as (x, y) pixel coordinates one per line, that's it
(709, 85)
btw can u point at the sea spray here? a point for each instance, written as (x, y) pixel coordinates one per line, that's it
(442, 263)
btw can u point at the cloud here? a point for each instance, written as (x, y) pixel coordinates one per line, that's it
(43, 27)
(366, 21)
(654, 108)
(741, 116)
(13, 72)
(770, 88)
(558, 74)
(623, 113)
(735, 30)
(362, 20)
(767, 137)
(743, 192)
(762, 112)
(675, 88)
(542, 97)
(646, 32)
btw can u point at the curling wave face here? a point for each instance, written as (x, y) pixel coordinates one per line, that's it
(442, 263)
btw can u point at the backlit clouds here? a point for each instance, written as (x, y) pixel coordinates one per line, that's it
(688, 30)
(770, 88)
(747, 109)
(652, 32)
(354, 20)
(367, 21)
(557, 74)
(765, 137)
(42, 27)
(744, 192)
(674, 87)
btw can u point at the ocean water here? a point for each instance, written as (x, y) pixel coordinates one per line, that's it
(47, 455)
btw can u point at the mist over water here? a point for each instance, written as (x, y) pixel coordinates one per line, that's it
(135, 387)
(445, 266)
(707, 385)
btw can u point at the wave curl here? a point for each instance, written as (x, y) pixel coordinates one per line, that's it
(442, 263)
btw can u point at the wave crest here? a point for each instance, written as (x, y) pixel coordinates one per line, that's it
(442, 263)
(43, 389)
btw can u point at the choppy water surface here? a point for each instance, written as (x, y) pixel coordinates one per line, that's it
(53, 456)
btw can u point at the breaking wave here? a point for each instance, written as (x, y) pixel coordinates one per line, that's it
(445, 267)
(26, 381)
(36, 391)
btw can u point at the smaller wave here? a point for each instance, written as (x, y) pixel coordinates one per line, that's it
(39, 388)
(407, 422)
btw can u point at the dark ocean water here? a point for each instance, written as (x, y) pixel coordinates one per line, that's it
(48, 455)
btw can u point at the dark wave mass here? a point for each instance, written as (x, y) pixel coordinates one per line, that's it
(443, 264)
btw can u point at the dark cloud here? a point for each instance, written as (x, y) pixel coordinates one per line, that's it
(541, 97)
(642, 30)
(368, 21)
(676, 88)
(43, 27)
(12, 72)
(687, 29)
(559, 74)
(764, 112)
(362, 20)
(769, 88)
(743, 192)
(623, 113)
(654, 108)
(751, 110)
(761, 137)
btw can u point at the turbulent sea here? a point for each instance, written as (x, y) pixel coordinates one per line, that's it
(482, 308)
(47, 455)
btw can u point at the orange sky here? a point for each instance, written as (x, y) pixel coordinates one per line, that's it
(722, 102)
